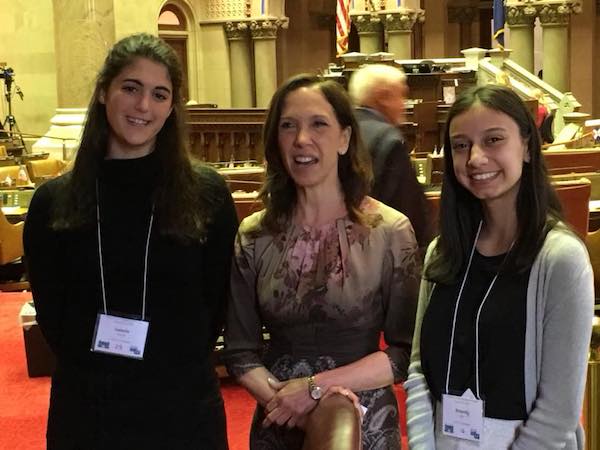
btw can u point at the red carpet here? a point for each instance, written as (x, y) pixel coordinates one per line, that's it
(24, 400)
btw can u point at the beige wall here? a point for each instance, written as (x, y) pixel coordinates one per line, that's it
(130, 17)
(215, 82)
(27, 45)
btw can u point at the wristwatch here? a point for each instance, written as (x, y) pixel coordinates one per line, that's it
(315, 391)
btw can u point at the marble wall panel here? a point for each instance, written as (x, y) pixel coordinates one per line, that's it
(27, 46)
(216, 80)
(84, 31)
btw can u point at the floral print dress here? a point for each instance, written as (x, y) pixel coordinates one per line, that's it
(324, 295)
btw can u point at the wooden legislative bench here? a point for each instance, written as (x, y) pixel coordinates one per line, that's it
(225, 135)
(572, 161)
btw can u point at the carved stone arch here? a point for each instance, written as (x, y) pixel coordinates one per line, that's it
(188, 38)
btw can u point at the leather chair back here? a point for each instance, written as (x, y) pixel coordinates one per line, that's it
(11, 240)
(574, 196)
(44, 169)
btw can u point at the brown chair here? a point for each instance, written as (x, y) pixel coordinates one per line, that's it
(333, 425)
(41, 170)
(574, 196)
(12, 269)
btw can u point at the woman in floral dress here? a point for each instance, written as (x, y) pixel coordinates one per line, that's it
(324, 268)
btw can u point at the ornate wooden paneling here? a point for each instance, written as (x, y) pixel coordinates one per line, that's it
(226, 136)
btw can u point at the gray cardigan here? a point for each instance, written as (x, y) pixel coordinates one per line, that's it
(560, 308)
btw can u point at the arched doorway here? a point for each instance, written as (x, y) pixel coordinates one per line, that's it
(173, 28)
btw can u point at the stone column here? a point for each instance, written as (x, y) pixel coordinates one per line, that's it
(520, 18)
(464, 17)
(554, 17)
(84, 32)
(370, 32)
(240, 64)
(264, 34)
(398, 25)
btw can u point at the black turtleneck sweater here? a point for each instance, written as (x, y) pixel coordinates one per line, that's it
(185, 298)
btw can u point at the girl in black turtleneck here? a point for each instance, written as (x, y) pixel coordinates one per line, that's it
(128, 258)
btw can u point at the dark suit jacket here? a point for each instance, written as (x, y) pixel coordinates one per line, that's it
(395, 181)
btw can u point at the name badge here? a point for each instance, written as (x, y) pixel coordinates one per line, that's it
(120, 336)
(462, 416)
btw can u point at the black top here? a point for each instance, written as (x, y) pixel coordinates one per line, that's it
(184, 302)
(501, 338)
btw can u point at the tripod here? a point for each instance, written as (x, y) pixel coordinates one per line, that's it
(13, 127)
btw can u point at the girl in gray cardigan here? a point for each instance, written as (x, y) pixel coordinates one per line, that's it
(506, 302)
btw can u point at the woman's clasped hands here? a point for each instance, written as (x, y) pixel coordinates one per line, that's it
(291, 404)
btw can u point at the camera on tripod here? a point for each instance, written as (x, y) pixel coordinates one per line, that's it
(8, 74)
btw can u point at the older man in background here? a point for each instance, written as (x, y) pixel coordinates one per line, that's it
(379, 92)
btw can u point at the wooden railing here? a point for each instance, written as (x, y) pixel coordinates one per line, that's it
(226, 136)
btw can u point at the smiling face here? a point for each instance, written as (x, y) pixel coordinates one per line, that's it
(311, 139)
(488, 152)
(138, 102)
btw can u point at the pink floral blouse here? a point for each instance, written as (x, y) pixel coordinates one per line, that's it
(323, 292)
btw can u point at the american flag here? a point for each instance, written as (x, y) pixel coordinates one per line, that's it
(342, 26)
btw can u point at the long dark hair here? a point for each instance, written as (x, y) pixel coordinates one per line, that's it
(183, 197)
(278, 193)
(538, 208)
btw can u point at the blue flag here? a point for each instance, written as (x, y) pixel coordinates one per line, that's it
(499, 22)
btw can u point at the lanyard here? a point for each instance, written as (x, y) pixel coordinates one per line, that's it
(102, 260)
(485, 297)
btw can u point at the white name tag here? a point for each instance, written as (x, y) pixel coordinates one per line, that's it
(462, 416)
(120, 336)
